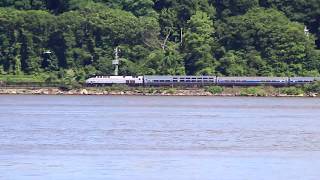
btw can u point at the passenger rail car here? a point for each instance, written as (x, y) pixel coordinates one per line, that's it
(179, 80)
(198, 81)
(252, 81)
(302, 80)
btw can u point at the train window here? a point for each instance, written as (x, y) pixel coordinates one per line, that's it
(175, 80)
(188, 81)
(168, 81)
(156, 81)
(182, 80)
(199, 80)
(161, 80)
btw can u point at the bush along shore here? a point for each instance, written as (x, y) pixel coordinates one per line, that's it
(311, 90)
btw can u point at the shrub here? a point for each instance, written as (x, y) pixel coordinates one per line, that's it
(52, 78)
(215, 89)
(171, 91)
(120, 87)
(312, 88)
(253, 91)
(291, 91)
(67, 86)
(151, 90)
(12, 79)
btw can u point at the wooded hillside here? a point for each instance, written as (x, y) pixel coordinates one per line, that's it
(194, 37)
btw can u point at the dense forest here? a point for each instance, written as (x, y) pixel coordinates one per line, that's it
(76, 38)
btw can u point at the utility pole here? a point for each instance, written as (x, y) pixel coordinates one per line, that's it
(116, 62)
(181, 36)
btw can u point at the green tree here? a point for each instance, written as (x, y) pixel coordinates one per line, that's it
(168, 62)
(199, 45)
(233, 64)
(227, 8)
(281, 43)
(303, 11)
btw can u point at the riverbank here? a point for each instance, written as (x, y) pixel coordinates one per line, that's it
(151, 91)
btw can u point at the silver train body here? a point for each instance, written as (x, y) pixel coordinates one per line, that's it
(109, 80)
(198, 81)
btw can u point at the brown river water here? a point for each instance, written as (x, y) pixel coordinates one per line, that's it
(159, 138)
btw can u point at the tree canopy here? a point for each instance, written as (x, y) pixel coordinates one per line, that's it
(196, 37)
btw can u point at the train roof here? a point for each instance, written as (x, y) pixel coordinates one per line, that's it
(166, 76)
(252, 78)
(303, 78)
(115, 77)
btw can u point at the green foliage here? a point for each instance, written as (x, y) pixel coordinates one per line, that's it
(312, 88)
(199, 45)
(22, 78)
(165, 37)
(168, 62)
(253, 91)
(268, 43)
(215, 89)
(228, 8)
(171, 91)
(292, 91)
(304, 11)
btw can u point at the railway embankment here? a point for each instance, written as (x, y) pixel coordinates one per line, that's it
(167, 91)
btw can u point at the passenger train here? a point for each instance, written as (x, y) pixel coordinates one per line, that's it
(198, 81)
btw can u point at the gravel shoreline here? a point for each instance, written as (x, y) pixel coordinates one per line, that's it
(133, 92)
